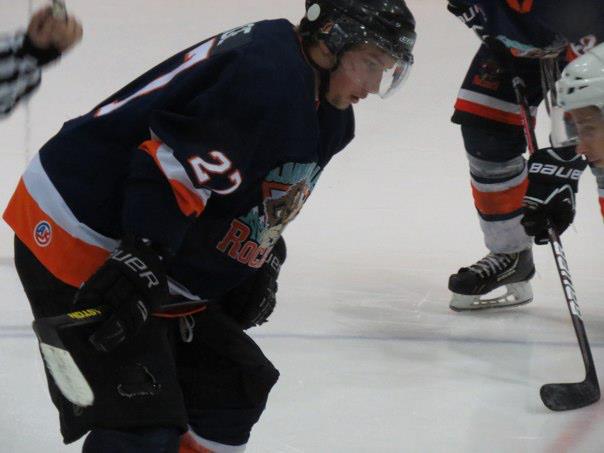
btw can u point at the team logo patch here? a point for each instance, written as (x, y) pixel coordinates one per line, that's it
(521, 6)
(43, 233)
(252, 236)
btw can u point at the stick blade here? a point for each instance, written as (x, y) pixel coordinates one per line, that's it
(565, 397)
(67, 375)
(61, 365)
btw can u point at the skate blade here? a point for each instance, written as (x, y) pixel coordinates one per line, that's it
(516, 294)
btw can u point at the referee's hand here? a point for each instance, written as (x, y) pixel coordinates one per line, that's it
(47, 31)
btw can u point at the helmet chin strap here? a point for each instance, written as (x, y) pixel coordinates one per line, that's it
(324, 77)
(324, 74)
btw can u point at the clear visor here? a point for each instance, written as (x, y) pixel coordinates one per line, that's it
(564, 131)
(375, 70)
(569, 128)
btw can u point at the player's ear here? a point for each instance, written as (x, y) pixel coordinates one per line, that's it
(325, 52)
(325, 29)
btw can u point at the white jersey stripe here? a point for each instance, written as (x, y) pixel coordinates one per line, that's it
(492, 102)
(41, 188)
(174, 170)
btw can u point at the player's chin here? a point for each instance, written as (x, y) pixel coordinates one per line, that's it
(596, 161)
(339, 104)
(354, 100)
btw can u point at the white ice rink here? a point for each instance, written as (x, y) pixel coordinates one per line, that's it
(371, 357)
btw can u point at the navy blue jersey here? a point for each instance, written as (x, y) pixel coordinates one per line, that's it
(519, 35)
(538, 28)
(209, 154)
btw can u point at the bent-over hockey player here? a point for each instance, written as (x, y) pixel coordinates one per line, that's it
(184, 181)
(23, 55)
(531, 40)
(580, 92)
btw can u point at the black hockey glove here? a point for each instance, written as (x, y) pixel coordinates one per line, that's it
(133, 283)
(470, 15)
(550, 198)
(252, 302)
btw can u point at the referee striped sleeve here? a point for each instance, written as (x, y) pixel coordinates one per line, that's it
(20, 73)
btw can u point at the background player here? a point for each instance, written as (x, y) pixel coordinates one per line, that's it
(580, 92)
(23, 55)
(531, 40)
(184, 180)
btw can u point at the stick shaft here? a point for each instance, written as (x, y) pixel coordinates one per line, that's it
(571, 299)
(525, 114)
(557, 249)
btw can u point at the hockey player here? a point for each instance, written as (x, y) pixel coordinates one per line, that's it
(183, 182)
(528, 39)
(580, 92)
(23, 55)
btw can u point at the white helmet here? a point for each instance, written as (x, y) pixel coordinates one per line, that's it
(582, 81)
(581, 85)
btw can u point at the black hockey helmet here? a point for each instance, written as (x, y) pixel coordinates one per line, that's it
(388, 24)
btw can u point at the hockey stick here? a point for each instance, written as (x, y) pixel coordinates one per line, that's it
(566, 396)
(61, 365)
(563, 396)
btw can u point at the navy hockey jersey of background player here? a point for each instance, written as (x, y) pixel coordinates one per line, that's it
(527, 35)
(536, 28)
(210, 154)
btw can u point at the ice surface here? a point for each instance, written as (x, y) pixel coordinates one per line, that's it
(371, 358)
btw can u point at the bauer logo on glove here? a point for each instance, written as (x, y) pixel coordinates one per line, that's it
(555, 170)
(550, 198)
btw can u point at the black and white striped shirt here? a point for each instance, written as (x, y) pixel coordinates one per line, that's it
(20, 69)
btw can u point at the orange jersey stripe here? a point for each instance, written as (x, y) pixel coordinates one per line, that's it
(488, 112)
(188, 202)
(602, 206)
(189, 445)
(69, 259)
(500, 203)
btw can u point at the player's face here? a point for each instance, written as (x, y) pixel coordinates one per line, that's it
(361, 71)
(343, 91)
(589, 122)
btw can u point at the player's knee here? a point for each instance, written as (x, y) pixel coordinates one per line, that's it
(140, 440)
(260, 381)
(492, 144)
(487, 172)
(232, 424)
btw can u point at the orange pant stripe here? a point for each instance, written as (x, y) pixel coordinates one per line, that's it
(500, 203)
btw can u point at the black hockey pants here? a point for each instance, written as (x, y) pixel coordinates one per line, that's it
(217, 384)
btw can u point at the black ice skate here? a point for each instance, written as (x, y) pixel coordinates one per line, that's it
(471, 285)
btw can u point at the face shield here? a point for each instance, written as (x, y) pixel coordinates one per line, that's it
(563, 131)
(375, 70)
(571, 127)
